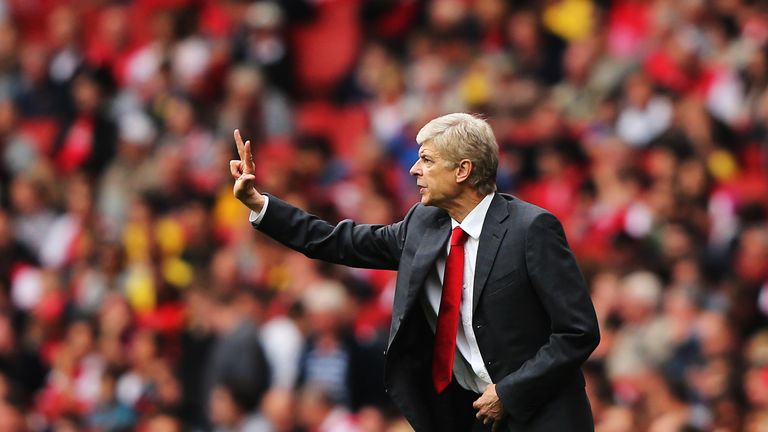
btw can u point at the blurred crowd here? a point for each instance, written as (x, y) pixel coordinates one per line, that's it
(134, 295)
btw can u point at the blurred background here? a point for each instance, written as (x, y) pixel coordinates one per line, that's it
(134, 295)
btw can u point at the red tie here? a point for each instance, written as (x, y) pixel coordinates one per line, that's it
(448, 318)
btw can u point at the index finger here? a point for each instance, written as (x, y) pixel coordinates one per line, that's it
(239, 144)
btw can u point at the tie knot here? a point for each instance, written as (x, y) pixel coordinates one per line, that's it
(458, 237)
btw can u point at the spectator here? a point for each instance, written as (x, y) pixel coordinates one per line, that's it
(110, 414)
(232, 409)
(32, 215)
(333, 359)
(320, 411)
(86, 138)
(237, 356)
(645, 116)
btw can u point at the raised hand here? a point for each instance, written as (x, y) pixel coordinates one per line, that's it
(243, 171)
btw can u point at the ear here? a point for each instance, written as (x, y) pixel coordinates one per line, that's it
(463, 170)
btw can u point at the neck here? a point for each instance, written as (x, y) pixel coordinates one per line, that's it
(463, 204)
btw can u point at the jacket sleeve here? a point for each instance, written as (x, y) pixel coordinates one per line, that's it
(347, 243)
(558, 282)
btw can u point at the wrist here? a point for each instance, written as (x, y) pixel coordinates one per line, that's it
(256, 203)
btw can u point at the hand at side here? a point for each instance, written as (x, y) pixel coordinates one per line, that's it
(489, 408)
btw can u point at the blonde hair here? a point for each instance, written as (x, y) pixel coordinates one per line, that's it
(460, 136)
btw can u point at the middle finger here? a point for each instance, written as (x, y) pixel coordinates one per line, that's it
(236, 168)
(239, 143)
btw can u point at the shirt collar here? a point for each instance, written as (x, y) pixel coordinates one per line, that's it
(473, 223)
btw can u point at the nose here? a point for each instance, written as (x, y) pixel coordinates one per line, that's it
(415, 169)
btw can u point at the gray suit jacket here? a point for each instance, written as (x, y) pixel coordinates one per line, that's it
(533, 318)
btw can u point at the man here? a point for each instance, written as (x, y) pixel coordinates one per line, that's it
(489, 330)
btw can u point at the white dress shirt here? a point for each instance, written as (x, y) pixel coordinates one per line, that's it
(255, 218)
(468, 366)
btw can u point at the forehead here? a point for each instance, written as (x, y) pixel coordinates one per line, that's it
(427, 147)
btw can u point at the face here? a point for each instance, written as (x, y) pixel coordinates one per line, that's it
(435, 177)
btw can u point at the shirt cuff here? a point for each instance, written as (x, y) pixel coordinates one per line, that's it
(255, 218)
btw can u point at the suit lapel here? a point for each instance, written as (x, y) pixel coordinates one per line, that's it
(432, 244)
(490, 240)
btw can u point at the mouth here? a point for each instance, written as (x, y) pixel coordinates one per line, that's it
(421, 189)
